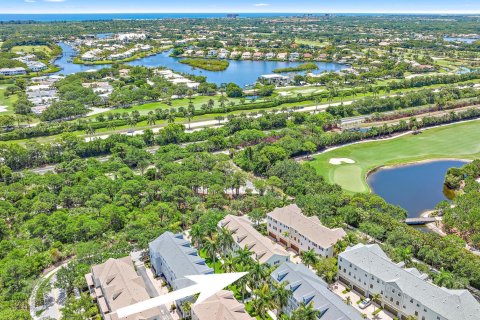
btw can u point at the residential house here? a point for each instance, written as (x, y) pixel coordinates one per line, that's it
(258, 55)
(236, 54)
(301, 233)
(245, 235)
(278, 80)
(404, 291)
(247, 55)
(270, 56)
(307, 56)
(307, 287)
(115, 284)
(282, 56)
(212, 53)
(221, 306)
(173, 258)
(294, 56)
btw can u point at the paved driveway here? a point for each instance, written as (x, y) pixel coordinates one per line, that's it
(338, 288)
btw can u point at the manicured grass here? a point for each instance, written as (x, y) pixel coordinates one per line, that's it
(459, 141)
(314, 43)
(197, 102)
(30, 49)
(8, 102)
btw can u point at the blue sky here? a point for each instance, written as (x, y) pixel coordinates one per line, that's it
(303, 6)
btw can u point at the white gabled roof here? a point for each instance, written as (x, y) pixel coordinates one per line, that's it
(450, 304)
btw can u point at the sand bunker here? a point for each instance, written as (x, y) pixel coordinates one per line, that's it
(3, 108)
(337, 161)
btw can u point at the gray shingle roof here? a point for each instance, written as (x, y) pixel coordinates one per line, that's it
(451, 304)
(308, 287)
(180, 256)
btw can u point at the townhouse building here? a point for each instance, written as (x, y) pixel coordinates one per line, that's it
(404, 291)
(294, 230)
(308, 288)
(245, 235)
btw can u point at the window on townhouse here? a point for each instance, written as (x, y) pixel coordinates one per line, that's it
(391, 299)
(397, 303)
(416, 313)
(371, 286)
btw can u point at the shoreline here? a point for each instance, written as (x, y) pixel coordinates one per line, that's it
(411, 163)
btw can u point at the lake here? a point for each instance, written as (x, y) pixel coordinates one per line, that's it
(241, 72)
(415, 187)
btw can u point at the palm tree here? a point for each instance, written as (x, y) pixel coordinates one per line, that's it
(211, 248)
(171, 118)
(348, 301)
(225, 239)
(309, 257)
(90, 130)
(257, 274)
(263, 301)
(242, 282)
(281, 295)
(376, 299)
(305, 312)
(244, 256)
(151, 120)
(228, 264)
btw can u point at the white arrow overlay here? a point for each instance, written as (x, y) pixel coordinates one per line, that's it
(206, 285)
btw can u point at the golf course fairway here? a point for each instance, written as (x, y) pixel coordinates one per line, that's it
(455, 141)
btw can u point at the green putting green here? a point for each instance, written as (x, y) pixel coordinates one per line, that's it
(456, 141)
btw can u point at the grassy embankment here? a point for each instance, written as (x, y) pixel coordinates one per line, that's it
(207, 64)
(456, 141)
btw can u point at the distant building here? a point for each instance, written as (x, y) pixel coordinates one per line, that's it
(12, 71)
(308, 288)
(301, 233)
(221, 306)
(115, 284)
(278, 80)
(245, 235)
(404, 292)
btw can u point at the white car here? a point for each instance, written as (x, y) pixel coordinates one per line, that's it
(365, 303)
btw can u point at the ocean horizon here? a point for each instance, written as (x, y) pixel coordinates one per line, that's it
(51, 17)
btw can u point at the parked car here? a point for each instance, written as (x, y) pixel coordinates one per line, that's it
(364, 303)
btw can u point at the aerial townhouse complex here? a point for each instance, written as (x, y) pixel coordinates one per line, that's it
(173, 258)
(307, 288)
(115, 284)
(404, 292)
(263, 249)
(301, 233)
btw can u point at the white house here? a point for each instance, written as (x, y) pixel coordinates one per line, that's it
(301, 233)
(404, 292)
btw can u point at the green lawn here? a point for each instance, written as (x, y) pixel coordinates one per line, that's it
(6, 102)
(30, 49)
(460, 141)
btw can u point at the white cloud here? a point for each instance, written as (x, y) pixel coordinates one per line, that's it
(261, 4)
(30, 1)
(54, 0)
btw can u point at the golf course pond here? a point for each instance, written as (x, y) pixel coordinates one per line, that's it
(416, 187)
